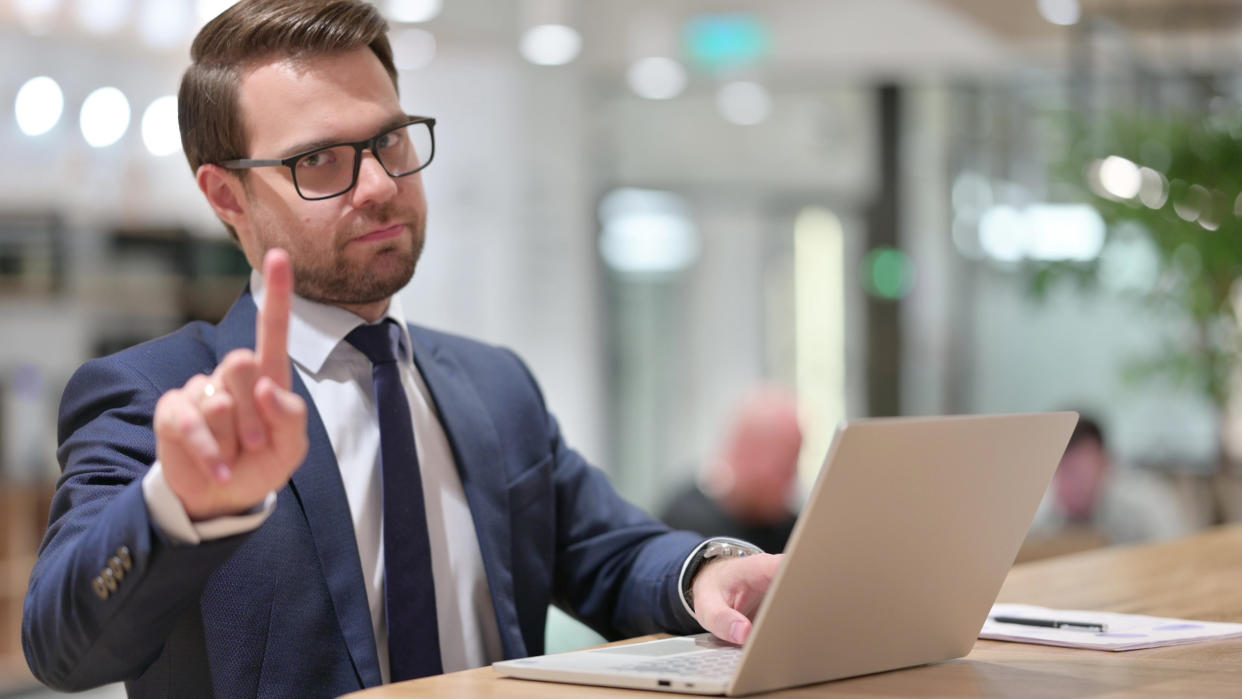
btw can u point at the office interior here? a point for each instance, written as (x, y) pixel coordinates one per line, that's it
(890, 207)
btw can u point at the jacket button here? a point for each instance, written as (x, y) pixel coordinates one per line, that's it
(109, 579)
(101, 588)
(127, 561)
(118, 570)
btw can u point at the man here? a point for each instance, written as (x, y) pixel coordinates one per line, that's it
(393, 502)
(1092, 503)
(747, 490)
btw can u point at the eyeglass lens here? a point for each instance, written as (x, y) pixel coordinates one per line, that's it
(330, 171)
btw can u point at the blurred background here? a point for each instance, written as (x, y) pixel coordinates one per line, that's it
(888, 207)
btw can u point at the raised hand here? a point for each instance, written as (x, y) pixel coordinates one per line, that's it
(727, 594)
(229, 439)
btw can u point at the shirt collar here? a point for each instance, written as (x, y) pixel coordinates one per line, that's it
(316, 329)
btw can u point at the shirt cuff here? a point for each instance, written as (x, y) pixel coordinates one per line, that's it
(683, 584)
(170, 517)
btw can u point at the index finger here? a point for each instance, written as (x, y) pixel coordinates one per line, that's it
(272, 326)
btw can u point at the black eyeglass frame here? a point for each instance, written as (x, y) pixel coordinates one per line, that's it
(358, 146)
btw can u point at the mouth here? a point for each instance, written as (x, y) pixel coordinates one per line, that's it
(381, 234)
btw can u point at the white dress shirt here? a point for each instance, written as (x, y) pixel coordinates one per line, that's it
(338, 378)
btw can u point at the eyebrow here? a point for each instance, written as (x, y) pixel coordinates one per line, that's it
(324, 142)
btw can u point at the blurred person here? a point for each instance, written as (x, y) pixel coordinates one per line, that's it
(748, 488)
(354, 500)
(1089, 495)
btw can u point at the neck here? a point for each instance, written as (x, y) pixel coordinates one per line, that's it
(370, 312)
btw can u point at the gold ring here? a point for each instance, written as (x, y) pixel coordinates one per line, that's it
(209, 390)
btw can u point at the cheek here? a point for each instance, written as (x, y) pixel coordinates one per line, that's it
(411, 191)
(304, 227)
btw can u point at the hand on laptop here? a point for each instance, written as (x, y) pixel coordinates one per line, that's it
(727, 593)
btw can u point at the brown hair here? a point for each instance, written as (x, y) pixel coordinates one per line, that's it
(247, 32)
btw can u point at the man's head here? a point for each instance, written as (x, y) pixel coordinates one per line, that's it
(754, 475)
(1083, 472)
(273, 78)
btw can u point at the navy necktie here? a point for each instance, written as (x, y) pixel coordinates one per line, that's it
(409, 592)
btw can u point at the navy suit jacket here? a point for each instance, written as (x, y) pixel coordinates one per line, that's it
(282, 610)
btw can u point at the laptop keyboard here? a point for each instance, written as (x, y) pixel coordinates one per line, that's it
(717, 663)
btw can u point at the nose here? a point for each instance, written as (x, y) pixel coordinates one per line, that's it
(374, 185)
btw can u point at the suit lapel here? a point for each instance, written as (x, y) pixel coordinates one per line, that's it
(319, 490)
(476, 448)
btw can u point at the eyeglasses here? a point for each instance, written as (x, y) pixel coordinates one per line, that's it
(332, 170)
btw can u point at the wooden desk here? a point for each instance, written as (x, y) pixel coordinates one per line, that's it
(1199, 577)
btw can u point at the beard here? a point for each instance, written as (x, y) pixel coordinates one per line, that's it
(344, 285)
(339, 280)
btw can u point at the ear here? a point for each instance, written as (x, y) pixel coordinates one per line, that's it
(223, 190)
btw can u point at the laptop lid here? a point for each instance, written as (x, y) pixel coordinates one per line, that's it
(910, 530)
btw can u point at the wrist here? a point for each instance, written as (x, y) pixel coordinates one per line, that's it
(206, 513)
(711, 550)
(170, 517)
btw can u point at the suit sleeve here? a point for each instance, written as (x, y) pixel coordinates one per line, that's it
(75, 634)
(617, 569)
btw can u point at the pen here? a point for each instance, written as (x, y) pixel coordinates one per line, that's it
(1052, 623)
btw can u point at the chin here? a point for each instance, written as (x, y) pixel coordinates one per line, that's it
(385, 277)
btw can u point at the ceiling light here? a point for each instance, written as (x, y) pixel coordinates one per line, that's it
(657, 78)
(1060, 12)
(104, 117)
(160, 133)
(647, 232)
(1119, 178)
(1072, 232)
(550, 44)
(38, 106)
(744, 103)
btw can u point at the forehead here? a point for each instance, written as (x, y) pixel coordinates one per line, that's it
(289, 100)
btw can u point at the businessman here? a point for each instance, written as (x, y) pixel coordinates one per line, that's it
(314, 496)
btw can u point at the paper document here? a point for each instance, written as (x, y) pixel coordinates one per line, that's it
(1121, 631)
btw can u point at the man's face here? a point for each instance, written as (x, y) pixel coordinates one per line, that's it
(356, 249)
(1081, 477)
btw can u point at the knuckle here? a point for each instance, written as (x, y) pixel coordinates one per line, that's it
(196, 383)
(187, 423)
(298, 408)
(219, 407)
(238, 361)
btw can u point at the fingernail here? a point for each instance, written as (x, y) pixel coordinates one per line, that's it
(735, 632)
(255, 438)
(223, 474)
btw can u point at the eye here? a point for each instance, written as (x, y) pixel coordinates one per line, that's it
(390, 139)
(318, 159)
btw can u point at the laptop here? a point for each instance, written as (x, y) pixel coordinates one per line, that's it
(910, 529)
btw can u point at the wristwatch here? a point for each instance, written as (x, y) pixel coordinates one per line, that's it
(719, 547)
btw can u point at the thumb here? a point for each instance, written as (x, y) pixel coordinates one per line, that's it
(718, 617)
(729, 624)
